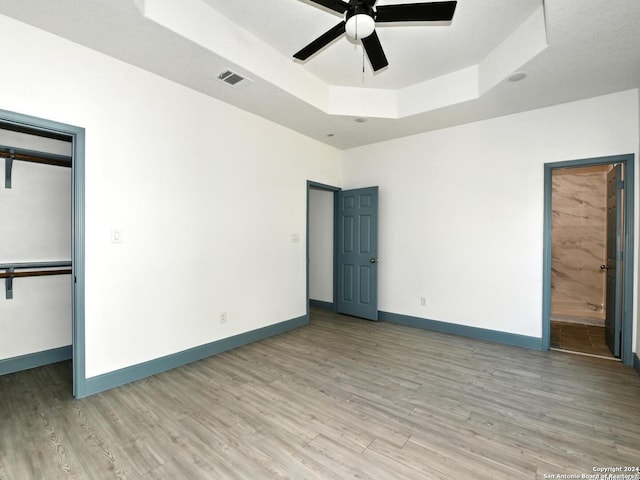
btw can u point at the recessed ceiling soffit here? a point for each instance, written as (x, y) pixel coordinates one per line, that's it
(201, 24)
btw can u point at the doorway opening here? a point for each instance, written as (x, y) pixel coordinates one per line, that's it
(321, 246)
(588, 258)
(41, 152)
(353, 253)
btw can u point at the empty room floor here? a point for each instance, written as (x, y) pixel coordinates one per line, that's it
(340, 398)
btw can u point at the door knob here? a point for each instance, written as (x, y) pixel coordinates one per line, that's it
(373, 260)
(604, 267)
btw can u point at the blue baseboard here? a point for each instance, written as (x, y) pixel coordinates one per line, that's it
(33, 360)
(322, 305)
(463, 330)
(116, 378)
(636, 363)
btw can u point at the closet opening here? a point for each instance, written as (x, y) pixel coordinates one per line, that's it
(41, 249)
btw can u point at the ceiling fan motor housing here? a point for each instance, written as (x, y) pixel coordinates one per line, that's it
(359, 9)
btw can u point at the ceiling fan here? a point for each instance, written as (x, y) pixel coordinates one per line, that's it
(360, 17)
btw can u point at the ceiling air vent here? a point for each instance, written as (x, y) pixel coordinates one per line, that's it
(233, 79)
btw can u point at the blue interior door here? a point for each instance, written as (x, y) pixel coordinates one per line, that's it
(613, 321)
(358, 253)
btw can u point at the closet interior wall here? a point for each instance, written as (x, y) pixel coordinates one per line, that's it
(36, 219)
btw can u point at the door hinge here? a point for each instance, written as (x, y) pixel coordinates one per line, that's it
(620, 184)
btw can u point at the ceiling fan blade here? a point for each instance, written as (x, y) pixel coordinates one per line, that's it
(335, 5)
(320, 42)
(376, 55)
(416, 12)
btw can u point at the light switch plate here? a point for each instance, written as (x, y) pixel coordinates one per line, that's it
(116, 235)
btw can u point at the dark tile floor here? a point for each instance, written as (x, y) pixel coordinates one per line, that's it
(579, 338)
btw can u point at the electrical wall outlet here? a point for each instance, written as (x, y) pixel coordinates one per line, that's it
(223, 317)
(423, 301)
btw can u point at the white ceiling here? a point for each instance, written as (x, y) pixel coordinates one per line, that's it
(593, 49)
(416, 52)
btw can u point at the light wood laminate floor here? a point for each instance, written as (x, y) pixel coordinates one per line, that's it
(340, 398)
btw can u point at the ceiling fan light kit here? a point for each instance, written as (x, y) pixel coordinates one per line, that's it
(360, 18)
(359, 26)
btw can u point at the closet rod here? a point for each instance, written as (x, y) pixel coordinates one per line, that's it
(12, 153)
(61, 268)
(35, 156)
(35, 273)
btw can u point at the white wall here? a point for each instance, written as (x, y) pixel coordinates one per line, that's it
(35, 215)
(461, 209)
(207, 197)
(321, 219)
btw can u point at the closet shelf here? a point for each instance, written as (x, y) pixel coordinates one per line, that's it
(12, 153)
(34, 270)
